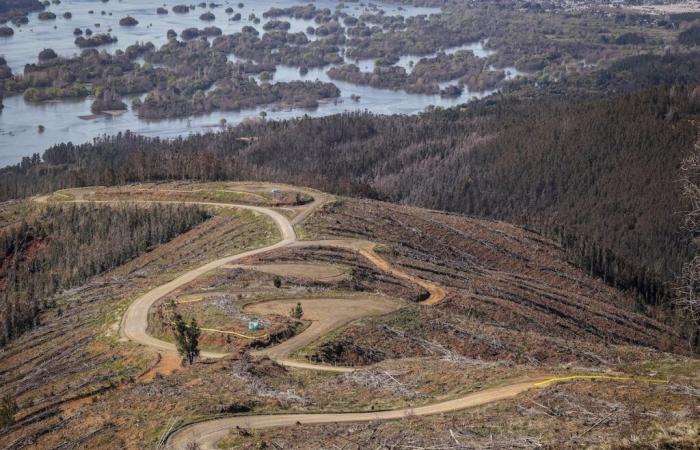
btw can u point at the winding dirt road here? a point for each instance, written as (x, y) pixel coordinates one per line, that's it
(206, 434)
(326, 315)
(135, 321)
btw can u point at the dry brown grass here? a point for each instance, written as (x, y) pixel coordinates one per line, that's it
(515, 308)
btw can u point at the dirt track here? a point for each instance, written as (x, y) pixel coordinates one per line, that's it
(134, 323)
(326, 315)
(206, 434)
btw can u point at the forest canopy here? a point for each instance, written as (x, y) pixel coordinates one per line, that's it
(64, 245)
(592, 162)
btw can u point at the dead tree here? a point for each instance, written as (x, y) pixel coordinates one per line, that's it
(687, 299)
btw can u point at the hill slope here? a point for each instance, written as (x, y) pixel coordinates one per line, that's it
(598, 174)
(467, 303)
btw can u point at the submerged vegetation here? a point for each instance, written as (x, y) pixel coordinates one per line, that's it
(548, 47)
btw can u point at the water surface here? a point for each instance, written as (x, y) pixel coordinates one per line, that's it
(19, 121)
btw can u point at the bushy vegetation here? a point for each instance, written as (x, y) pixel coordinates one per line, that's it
(18, 9)
(426, 73)
(8, 409)
(95, 41)
(63, 246)
(297, 312)
(53, 93)
(47, 54)
(128, 21)
(46, 15)
(233, 95)
(181, 9)
(107, 100)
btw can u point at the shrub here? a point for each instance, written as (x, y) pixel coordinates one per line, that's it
(8, 409)
(107, 100)
(276, 25)
(297, 311)
(212, 31)
(20, 20)
(94, 41)
(47, 54)
(128, 21)
(52, 93)
(189, 33)
(207, 16)
(46, 15)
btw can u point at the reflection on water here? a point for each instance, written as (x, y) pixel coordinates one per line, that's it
(19, 121)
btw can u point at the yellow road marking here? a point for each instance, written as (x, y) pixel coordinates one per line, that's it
(184, 302)
(245, 336)
(598, 377)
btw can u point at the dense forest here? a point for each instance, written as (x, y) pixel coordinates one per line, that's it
(596, 171)
(63, 246)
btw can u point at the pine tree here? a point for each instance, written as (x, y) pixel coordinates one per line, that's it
(297, 311)
(187, 339)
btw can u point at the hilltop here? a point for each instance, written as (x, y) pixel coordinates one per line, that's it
(486, 327)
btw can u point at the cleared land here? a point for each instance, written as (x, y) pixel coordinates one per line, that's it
(421, 313)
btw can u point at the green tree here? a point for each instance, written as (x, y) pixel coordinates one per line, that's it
(187, 339)
(297, 311)
(8, 409)
(277, 281)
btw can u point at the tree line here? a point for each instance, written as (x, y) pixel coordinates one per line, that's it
(596, 171)
(63, 246)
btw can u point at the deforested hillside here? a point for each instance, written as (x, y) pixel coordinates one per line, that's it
(512, 293)
(363, 307)
(598, 175)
